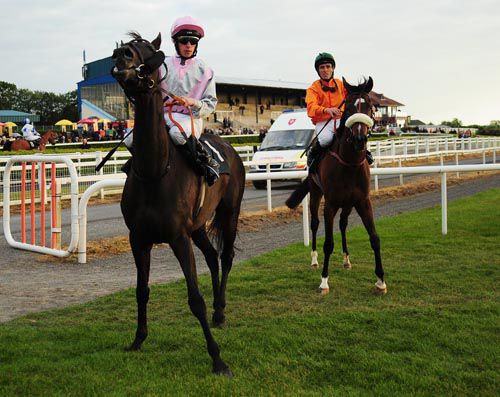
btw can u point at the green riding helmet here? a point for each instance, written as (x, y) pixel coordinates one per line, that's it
(323, 57)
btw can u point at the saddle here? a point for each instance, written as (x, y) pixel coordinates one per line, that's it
(216, 154)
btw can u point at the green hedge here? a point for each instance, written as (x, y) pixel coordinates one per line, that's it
(494, 131)
(242, 139)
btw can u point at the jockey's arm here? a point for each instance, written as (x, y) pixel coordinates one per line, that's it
(206, 105)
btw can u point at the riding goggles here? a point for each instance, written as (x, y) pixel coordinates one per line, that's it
(188, 39)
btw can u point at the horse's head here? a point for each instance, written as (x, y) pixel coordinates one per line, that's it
(358, 114)
(136, 64)
(51, 137)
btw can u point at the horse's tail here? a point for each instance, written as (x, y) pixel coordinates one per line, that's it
(298, 194)
(215, 229)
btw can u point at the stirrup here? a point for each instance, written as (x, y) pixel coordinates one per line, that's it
(211, 174)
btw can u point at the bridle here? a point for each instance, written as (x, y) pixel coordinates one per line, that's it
(356, 117)
(144, 71)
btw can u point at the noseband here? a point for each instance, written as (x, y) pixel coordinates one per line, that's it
(358, 117)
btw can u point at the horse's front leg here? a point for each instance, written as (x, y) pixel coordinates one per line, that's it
(183, 251)
(329, 215)
(344, 217)
(142, 257)
(315, 199)
(365, 211)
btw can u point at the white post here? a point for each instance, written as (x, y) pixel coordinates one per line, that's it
(305, 219)
(444, 205)
(484, 155)
(400, 175)
(393, 148)
(98, 159)
(446, 145)
(378, 150)
(376, 177)
(427, 147)
(416, 146)
(456, 163)
(268, 182)
(494, 155)
(405, 149)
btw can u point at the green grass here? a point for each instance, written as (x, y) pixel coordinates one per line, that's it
(435, 333)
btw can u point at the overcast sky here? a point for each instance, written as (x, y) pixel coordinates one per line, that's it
(441, 58)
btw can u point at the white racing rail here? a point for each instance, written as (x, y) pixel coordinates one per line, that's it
(74, 205)
(79, 211)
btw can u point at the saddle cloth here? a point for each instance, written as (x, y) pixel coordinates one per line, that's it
(217, 155)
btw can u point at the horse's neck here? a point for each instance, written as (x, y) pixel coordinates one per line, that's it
(151, 146)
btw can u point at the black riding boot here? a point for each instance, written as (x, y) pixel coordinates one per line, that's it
(314, 156)
(128, 164)
(369, 157)
(203, 163)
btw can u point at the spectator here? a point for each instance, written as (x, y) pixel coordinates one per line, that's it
(242, 110)
(261, 108)
(84, 144)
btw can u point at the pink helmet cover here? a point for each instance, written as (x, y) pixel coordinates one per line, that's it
(187, 23)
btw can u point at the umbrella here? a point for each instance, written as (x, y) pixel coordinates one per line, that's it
(86, 121)
(64, 122)
(1, 124)
(10, 124)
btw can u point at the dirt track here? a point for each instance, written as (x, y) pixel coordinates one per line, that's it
(30, 285)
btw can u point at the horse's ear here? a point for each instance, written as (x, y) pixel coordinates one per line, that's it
(369, 85)
(157, 42)
(347, 86)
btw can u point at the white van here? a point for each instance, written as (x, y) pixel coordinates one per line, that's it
(283, 144)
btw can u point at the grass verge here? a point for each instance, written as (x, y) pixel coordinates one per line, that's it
(436, 332)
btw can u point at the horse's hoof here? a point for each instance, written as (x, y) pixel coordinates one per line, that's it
(218, 319)
(379, 291)
(347, 266)
(380, 287)
(134, 347)
(324, 291)
(314, 266)
(223, 369)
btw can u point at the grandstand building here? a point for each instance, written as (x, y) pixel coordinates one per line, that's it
(100, 95)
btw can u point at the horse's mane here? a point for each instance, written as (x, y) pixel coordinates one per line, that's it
(135, 35)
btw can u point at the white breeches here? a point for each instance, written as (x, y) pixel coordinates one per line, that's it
(326, 136)
(185, 122)
(32, 137)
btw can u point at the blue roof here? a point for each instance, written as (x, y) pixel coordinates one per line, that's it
(14, 115)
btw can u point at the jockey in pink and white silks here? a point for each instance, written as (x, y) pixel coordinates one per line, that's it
(193, 81)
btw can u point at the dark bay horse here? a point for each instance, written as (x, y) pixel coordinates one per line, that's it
(343, 178)
(162, 193)
(22, 144)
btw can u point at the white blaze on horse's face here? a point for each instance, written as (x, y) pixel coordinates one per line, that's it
(359, 101)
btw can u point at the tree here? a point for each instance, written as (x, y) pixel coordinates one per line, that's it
(49, 106)
(8, 94)
(495, 123)
(456, 123)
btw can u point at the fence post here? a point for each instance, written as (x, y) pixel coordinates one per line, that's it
(376, 176)
(400, 175)
(268, 186)
(444, 205)
(456, 163)
(98, 159)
